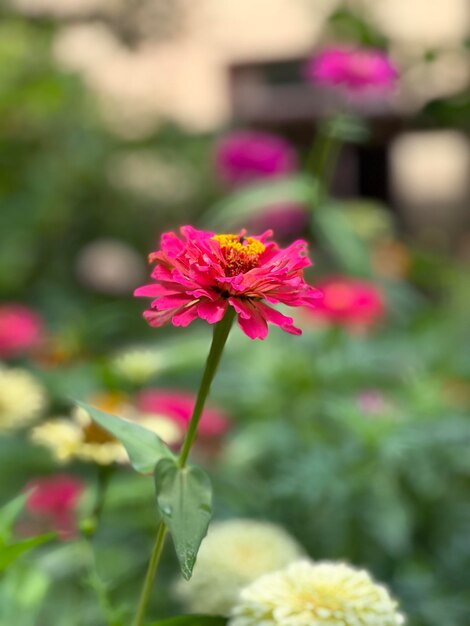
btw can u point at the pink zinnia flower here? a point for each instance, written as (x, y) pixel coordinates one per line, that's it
(53, 502)
(287, 220)
(178, 406)
(203, 274)
(355, 69)
(245, 156)
(356, 304)
(21, 330)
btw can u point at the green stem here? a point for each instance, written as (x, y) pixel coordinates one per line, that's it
(219, 338)
(90, 525)
(100, 589)
(149, 577)
(323, 157)
(105, 473)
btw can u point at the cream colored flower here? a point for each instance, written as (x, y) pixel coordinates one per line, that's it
(79, 437)
(234, 554)
(316, 594)
(137, 365)
(22, 398)
(168, 430)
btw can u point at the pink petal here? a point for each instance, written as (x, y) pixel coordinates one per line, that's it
(277, 318)
(212, 312)
(151, 291)
(159, 318)
(241, 307)
(255, 326)
(185, 317)
(169, 302)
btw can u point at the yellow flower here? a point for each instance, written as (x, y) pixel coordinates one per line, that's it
(22, 398)
(233, 555)
(79, 437)
(316, 594)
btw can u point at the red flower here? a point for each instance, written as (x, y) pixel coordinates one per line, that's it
(178, 406)
(348, 302)
(21, 329)
(53, 502)
(203, 274)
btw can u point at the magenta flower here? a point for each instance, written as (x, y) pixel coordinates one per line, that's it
(203, 274)
(21, 330)
(53, 502)
(287, 220)
(355, 304)
(178, 406)
(245, 156)
(356, 69)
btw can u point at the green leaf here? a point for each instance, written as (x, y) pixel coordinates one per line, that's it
(8, 514)
(192, 620)
(144, 447)
(9, 553)
(299, 189)
(184, 498)
(333, 228)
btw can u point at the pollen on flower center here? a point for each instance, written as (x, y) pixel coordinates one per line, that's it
(241, 253)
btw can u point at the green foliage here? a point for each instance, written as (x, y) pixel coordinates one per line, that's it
(8, 515)
(192, 620)
(9, 552)
(22, 592)
(334, 230)
(353, 26)
(184, 498)
(144, 447)
(243, 204)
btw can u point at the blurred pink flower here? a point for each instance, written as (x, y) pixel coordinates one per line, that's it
(245, 156)
(371, 402)
(53, 501)
(178, 406)
(356, 69)
(287, 220)
(203, 274)
(21, 330)
(349, 302)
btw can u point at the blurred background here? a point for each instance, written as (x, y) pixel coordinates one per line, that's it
(354, 438)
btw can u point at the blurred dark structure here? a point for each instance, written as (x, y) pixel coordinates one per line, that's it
(275, 96)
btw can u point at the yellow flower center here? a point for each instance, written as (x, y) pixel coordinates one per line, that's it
(110, 402)
(92, 433)
(241, 253)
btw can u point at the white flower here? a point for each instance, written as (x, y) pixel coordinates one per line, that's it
(316, 594)
(234, 554)
(22, 398)
(137, 365)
